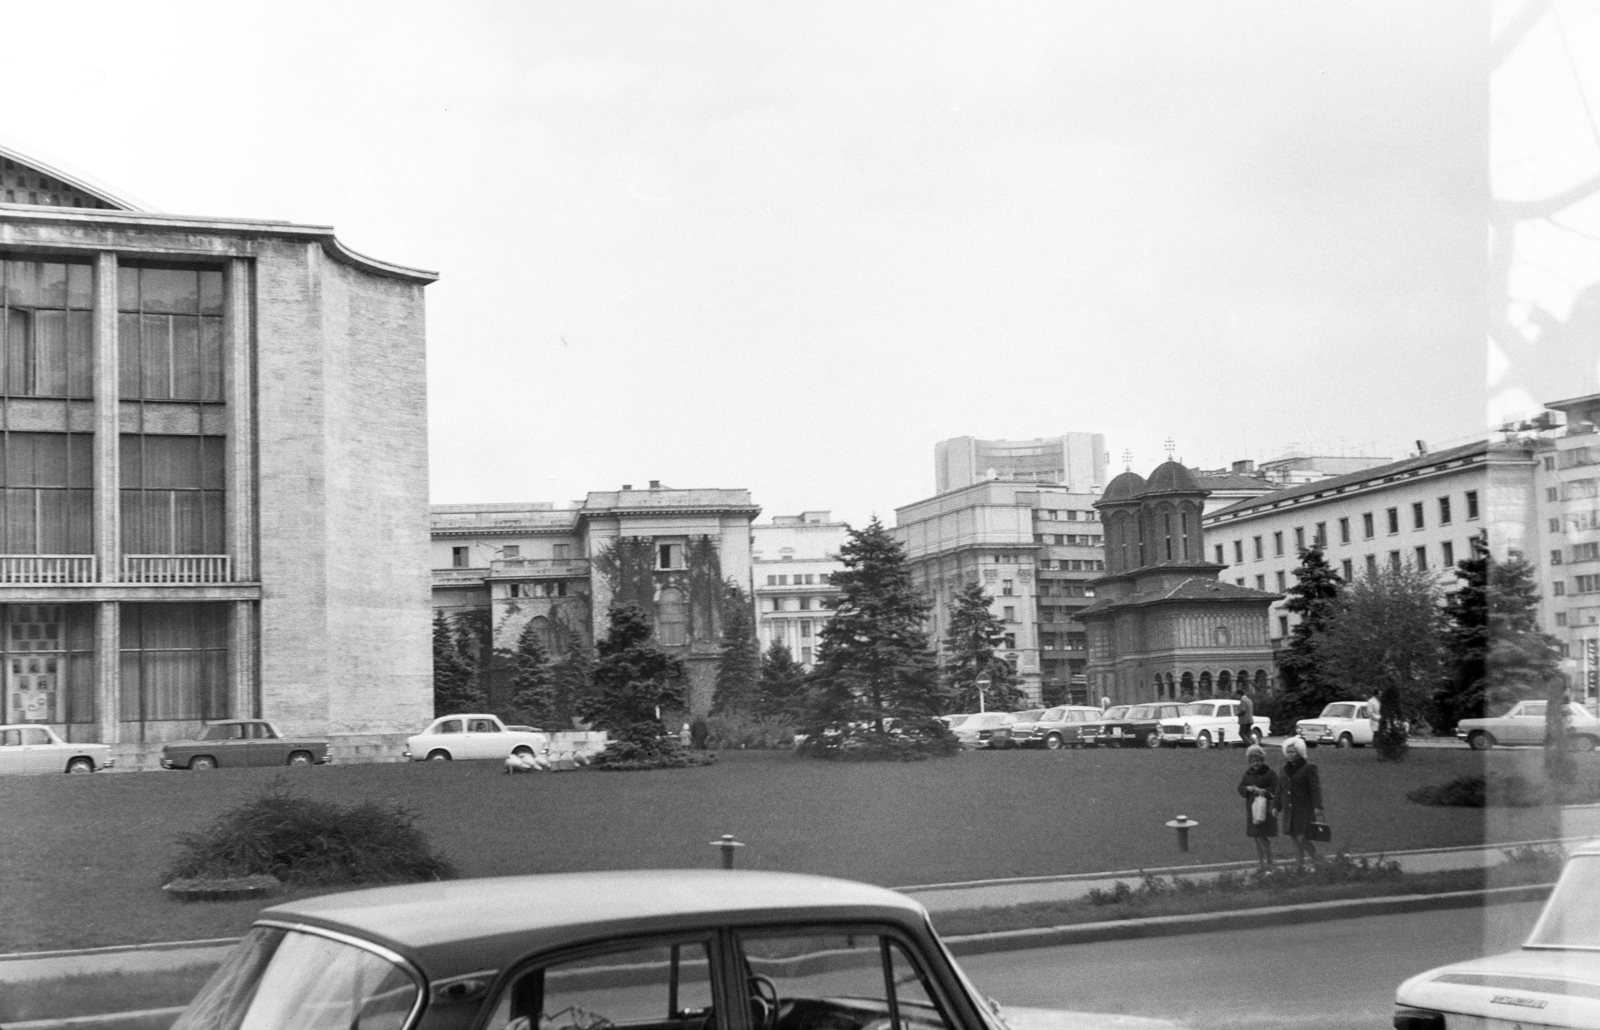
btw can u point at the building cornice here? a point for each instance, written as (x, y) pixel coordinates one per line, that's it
(1266, 506)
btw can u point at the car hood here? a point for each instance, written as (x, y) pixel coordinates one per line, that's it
(1530, 986)
(1059, 1019)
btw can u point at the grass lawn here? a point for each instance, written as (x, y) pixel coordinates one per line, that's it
(81, 857)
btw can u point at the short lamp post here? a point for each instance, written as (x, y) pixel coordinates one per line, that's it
(1182, 824)
(727, 844)
(982, 683)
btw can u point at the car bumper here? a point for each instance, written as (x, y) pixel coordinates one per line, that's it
(167, 763)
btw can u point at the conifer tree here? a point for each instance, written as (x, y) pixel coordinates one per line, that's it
(739, 661)
(874, 664)
(533, 696)
(975, 634)
(633, 680)
(1464, 692)
(783, 683)
(454, 686)
(1314, 599)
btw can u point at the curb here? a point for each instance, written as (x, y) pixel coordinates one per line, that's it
(1206, 922)
(145, 1019)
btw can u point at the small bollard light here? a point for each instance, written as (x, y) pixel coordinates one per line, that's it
(1182, 825)
(727, 844)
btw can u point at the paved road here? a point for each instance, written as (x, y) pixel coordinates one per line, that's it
(1321, 976)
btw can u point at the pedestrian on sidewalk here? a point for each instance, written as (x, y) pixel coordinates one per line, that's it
(1259, 788)
(1247, 718)
(1299, 799)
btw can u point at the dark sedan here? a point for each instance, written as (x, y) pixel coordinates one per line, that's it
(243, 742)
(1139, 726)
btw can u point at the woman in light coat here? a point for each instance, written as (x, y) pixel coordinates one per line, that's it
(1260, 782)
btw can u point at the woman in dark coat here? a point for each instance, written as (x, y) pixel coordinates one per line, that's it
(1299, 799)
(1260, 781)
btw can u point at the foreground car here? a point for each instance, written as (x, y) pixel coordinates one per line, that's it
(236, 743)
(30, 748)
(1553, 981)
(671, 950)
(460, 737)
(1524, 724)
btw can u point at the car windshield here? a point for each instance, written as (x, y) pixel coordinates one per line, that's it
(1571, 919)
(1340, 711)
(278, 979)
(1195, 709)
(1116, 713)
(956, 720)
(1142, 712)
(1032, 715)
(1054, 715)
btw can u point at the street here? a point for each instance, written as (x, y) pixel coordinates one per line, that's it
(1327, 976)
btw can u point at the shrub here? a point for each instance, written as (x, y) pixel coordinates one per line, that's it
(1497, 790)
(733, 731)
(1339, 869)
(643, 746)
(304, 841)
(904, 741)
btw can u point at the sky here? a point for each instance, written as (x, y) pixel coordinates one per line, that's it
(790, 247)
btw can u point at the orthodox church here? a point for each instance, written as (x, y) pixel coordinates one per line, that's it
(1162, 625)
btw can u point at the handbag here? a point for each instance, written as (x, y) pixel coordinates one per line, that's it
(1258, 809)
(1320, 832)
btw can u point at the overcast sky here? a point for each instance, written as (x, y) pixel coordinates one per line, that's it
(790, 246)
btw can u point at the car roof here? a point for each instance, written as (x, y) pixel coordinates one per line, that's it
(464, 925)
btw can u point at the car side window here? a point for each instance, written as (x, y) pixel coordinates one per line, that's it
(34, 735)
(11, 738)
(839, 981)
(261, 731)
(665, 987)
(1532, 709)
(449, 726)
(484, 726)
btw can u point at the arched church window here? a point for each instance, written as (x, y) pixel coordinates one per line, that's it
(1224, 683)
(1183, 519)
(1205, 684)
(1167, 521)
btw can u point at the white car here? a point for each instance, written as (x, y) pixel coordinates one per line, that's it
(1553, 981)
(1524, 724)
(1206, 723)
(1342, 724)
(31, 748)
(986, 729)
(459, 737)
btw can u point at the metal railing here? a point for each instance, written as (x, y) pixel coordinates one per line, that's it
(176, 568)
(47, 568)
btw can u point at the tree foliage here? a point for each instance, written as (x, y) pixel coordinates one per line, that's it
(1385, 638)
(1464, 693)
(455, 686)
(738, 686)
(1315, 600)
(875, 676)
(783, 684)
(970, 646)
(633, 678)
(533, 694)
(1522, 660)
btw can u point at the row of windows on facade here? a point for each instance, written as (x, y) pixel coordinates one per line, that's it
(173, 662)
(1189, 685)
(1395, 560)
(1063, 515)
(169, 332)
(173, 498)
(794, 604)
(1069, 539)
(461, 557)
(805, 579)
(1319, 533)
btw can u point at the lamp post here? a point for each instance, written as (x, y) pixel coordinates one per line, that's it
(982, 683)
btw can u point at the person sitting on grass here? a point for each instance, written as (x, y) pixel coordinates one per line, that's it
(1259, 788)
(1299, 799)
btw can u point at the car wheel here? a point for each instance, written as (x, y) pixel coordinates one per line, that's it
(1203, 740)
(523, 751)
(1152, 740)
(1257, 735)
(202, 762)
(1480, 741)
(439, 756)
(1346, 741)
(81, 765)
(301, 758)
(1053, 742)
(1581, 742)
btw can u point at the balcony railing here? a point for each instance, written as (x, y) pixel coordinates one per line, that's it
(176, 568)
(527, 568)
(47, 568)
(459, 577)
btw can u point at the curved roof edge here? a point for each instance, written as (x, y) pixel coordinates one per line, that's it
(67, 174)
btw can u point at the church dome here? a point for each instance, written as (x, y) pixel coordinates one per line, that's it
(1123, 488)
(1172, 478)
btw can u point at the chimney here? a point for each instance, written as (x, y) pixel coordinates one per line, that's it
(1422, 447)
(627, 486)
(1244, 468)
(655, 484)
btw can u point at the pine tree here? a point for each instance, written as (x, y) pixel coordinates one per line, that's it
(633, 680)
(783, 683)
(533, 696)
(1522, 661)
(970, 644)
(874, 664)
(1464, 693)
(454, 686)
(739, 663)
(570, 682)
(1314, 599)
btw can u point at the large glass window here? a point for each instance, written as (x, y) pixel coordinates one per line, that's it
(49, 663)
(49, 496)
(169, 332)
(46, 326)
(172, 494)
(174, 662)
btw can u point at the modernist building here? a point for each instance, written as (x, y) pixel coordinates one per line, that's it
(792, 563)
(1035, 549)
(1162, 625)
(671, 552)
(1423, 511)
(1076, 460)
(1560, 531)
(214, 444)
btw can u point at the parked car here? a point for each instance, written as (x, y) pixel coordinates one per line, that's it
(991, 730)
(235, 743)
(1201, 724)
(1138, 726)
(666, 949)
(1524, 724)
(1342, 724)
(1552, 981)
(1023, 724)
(1064, 726)
(470, 736)
(31, 748)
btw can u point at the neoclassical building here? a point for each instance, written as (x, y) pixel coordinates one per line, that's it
(1162, 625)
(213, 448)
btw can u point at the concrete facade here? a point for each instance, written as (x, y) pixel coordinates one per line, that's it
(1075, 460)
(792, 562)
(1035, 549)
(309, 604)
